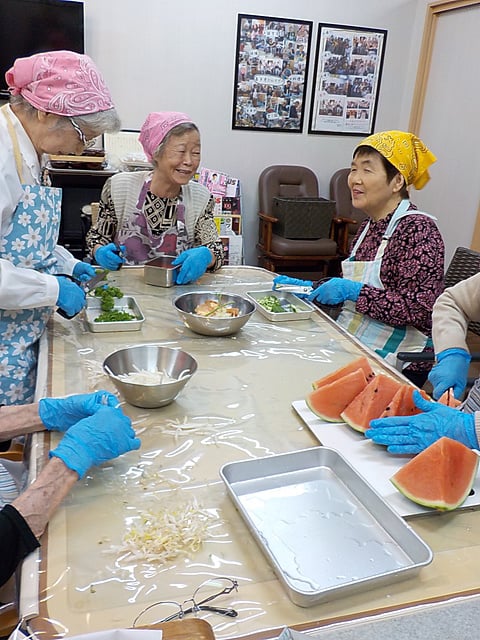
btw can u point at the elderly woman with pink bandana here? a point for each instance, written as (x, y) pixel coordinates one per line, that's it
(152, 213)
(58, 103)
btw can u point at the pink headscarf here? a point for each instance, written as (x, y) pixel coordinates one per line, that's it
(60, 82)
(156, 127)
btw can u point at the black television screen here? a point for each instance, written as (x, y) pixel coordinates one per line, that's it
(32, 26)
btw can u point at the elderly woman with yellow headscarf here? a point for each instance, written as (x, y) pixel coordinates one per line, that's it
(395, 269)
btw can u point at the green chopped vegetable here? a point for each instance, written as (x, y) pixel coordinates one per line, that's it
(115, 315)
(107, 295)
(273, 304)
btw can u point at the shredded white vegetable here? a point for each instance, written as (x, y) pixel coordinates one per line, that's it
(160, 536)
(153, 378)
(198, 425)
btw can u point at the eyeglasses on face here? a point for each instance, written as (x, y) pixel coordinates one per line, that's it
(86, 143)
(206, 592)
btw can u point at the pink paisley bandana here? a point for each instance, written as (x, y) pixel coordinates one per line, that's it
(156, 127)
(60, 82)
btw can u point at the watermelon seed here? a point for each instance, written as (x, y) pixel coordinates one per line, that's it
(472, 492)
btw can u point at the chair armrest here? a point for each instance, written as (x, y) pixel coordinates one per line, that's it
(416, 356)
(267, 218)
(345, 221)
(426, 356)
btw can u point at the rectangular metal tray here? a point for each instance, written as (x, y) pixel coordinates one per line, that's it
(127, 303)
(304, 309)
(324, 529)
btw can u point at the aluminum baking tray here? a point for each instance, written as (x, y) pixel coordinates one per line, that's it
(127, 303)
(324, 529)
(304, 309)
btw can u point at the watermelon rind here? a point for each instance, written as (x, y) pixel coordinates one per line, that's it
(437, 462)
(359, 363)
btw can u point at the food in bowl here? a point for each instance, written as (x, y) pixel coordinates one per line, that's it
(216, 309)
(149, 375)
(144, 376)
(215, 322)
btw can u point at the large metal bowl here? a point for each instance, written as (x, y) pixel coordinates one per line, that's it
(186, 303)
(154, 358)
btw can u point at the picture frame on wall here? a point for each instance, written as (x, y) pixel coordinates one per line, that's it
(271, 69)
(348, 70)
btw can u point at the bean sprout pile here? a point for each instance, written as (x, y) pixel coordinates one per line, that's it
(150, 378)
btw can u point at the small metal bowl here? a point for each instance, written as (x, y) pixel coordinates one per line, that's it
(154, 358)
(159, 272)
(208, 325)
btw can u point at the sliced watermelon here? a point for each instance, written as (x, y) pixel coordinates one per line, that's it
(449, 399)
(440, 477)
(371, 402)
(329, 400)
(402, 403)
(358, 363)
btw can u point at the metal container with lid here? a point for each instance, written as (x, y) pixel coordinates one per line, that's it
(159, 272)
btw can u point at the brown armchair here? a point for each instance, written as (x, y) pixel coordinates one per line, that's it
(340, 193)
(279, 252)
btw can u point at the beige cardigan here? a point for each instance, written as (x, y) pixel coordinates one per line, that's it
(452, 311)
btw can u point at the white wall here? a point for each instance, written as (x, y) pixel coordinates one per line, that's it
(158, 55)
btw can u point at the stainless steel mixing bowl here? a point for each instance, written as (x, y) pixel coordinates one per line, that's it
(186, 303)
(153, 358)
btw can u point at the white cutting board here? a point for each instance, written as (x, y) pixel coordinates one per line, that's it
(372, 461)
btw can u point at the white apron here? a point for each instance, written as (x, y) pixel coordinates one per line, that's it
(382, 338)
(29, 242)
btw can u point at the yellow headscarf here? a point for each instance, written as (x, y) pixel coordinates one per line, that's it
(406, 152)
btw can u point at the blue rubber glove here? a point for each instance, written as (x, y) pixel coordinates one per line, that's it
(58, 414)
(412, 434)
(194, 264)
(293, 281)
(96, 439)
(71, 297)
(83, 271)
(336, 291)
(109, 256)
(450, 372)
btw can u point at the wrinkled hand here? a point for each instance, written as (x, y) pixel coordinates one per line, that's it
(105, 435)
(59, 414)
(83, 271)
(451, 371)
(412, 434)
(336, 291)
(71, 297)
(293, 281)
(108, 256)
(194, 264)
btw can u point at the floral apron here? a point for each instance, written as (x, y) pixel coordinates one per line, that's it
(141, 243)
(29, 242)
(384, 339)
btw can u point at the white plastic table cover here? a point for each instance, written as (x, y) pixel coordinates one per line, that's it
(237, 406)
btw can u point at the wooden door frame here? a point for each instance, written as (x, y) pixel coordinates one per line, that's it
(433, 11)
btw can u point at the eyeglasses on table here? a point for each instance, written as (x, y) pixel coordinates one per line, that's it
(206, 592)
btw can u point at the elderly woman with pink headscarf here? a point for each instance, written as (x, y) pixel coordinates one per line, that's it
(58, 103)
(160, 212)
